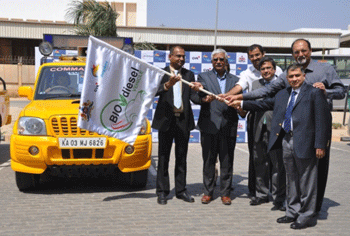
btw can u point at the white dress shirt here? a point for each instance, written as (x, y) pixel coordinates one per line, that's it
(251, 74)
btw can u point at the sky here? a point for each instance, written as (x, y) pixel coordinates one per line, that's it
(255, 15)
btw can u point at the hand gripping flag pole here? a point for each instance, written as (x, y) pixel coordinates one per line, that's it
(191, 85)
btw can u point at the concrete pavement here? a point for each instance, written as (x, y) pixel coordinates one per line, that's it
(99, 207)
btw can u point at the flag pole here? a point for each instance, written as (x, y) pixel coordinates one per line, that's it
(202, 90)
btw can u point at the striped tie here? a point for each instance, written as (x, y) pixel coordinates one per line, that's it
(288, 116)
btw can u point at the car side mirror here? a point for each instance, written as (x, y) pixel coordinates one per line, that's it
(26, 91)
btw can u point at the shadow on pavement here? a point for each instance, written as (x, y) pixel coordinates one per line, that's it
(130, 195)
(4, 152)
(63, 185)
(327, 203)
(197, 189)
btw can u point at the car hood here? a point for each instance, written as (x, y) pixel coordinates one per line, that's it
(46, 108)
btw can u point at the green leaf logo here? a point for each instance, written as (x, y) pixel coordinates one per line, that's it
(123, 101)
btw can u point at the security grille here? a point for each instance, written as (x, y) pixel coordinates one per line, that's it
(68, 126)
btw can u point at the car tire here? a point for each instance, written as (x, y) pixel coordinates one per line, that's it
(136, 179)
(27, 181)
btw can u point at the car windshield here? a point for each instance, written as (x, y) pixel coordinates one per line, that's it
(60, 82)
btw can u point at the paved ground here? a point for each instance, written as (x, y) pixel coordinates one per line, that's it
(100, 207)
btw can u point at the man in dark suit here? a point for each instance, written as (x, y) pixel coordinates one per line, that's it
(173, 119)
(300, 123)
(268, 166)
(218, 125)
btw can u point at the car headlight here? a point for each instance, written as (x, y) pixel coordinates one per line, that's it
(31, 126)
(143, 129)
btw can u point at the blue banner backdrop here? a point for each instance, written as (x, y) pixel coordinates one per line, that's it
(197, 62)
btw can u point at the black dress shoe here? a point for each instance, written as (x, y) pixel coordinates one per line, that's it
(286, 219)
(185, 196)
(162, 199)
(299, 225)
(279, 207)
(258, 201)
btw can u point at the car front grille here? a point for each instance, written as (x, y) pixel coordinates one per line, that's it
(68, 126)
(82, 153)
(63, 126)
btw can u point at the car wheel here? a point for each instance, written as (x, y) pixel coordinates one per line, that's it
(27, 181)
(136, 179)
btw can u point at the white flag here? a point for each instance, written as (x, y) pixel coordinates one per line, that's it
(118, 91)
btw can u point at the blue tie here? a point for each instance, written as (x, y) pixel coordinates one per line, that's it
(288, 116)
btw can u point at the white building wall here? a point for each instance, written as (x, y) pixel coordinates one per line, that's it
(55, 10)
(10, 29)
(34, 9)
(227, 37)
(339, 51)
(35, 30)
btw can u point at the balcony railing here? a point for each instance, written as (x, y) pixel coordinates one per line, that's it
(17, 59)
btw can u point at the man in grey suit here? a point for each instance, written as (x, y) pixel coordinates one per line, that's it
(218, 125)
(268, 166)
(300, 124)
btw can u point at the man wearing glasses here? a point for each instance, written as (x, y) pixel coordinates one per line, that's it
(218, 126)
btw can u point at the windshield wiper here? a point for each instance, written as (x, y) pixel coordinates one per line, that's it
(73, 95)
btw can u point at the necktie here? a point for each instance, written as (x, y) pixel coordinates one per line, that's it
(267, 84)
(177, 93)
(288, 116)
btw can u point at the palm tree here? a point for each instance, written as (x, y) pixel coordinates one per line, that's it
(97, 19)
(92, 18)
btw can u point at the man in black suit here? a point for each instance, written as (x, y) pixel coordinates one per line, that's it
(173, 119)
(300, 124)
(218, 125)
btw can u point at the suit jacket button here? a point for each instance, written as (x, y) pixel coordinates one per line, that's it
(277, 134)
(280, 124)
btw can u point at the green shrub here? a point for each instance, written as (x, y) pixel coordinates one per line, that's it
(336, 125)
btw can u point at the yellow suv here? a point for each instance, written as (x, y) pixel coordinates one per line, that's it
(46, 137)
(5, 117)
